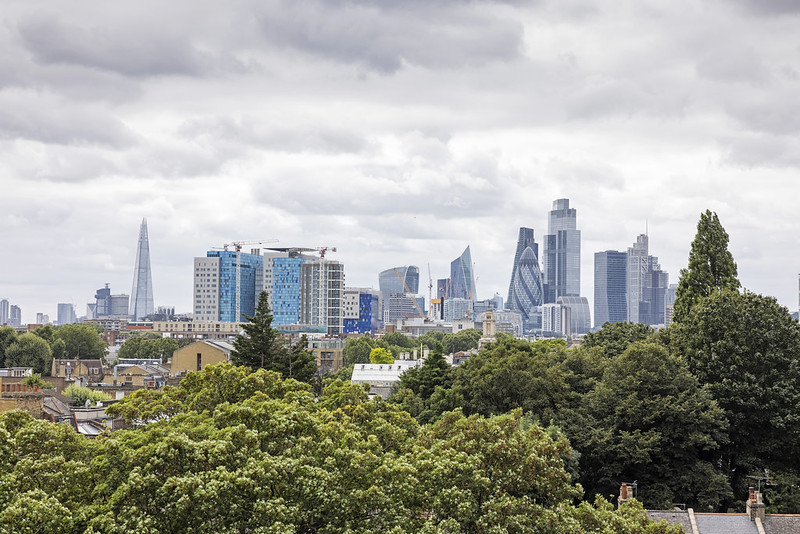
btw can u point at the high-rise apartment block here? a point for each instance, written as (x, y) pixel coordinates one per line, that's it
(304, 289)
(321, 294)
(610, 287)
(361, 310)
(42, 318)
(562, 253)
(227, 285)
(141, 301)
(525, 291)
(4, 311)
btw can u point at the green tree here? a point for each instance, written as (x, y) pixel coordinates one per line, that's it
(80, 394)
(380, 355)
(509, 374)
(649, 420)
(259, 347)
(302, 364)
(711, 267)
(417, 385)
(746, 349)
(59, 349)
(357, 349)
(615, 338)
(142, 347)
(7, 337)
(46, 332)
(81, 341)
(29, 350)
(36, 380)
(461, 341)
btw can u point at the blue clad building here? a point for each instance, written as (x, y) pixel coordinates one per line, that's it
(362, 311)
(227, 285)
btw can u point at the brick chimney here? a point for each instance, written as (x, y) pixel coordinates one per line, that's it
(754, 505)
(625, 493)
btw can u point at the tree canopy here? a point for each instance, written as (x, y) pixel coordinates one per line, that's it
(711, 267)
(29, 350)
(81, 341)
(262, 347)
(250, 452)
(746, 349)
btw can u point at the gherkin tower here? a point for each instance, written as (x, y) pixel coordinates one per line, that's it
(142, 292)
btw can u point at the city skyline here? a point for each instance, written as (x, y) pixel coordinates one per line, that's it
(398, 132)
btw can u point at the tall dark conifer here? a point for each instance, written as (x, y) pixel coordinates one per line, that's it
(711, 267)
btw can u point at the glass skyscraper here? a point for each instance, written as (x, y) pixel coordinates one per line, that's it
(524, 241)
(141, 301)
(562, 253)
(403, 282)
(647, 285)
(526, 292)
(462, 279)
(610, 287)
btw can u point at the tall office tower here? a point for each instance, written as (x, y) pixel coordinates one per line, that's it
(66, 313)
(526, 292)
(141, 301)
(42, 318)
(580, 319)
(647, 285)
(610, 287)
(227, 285)
(361, 310)
(4, 311)
(398, 285)
(321, 293)
(562, 253)
(524, 241)
(14, 316)
(462, 279)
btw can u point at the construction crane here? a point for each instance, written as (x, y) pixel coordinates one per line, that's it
(298, 250)
(237, 245)
(430, 290)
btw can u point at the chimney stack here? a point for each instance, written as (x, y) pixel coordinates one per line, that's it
(625, 493)
(755, 506)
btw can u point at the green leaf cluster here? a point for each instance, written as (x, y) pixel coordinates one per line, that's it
(229, 450)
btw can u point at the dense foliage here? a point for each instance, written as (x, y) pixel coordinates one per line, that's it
(262, 346)
(230, 450)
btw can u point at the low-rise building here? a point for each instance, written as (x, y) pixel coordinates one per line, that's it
(329, 354)
(199, 354)
(381, 376)
(90, 371)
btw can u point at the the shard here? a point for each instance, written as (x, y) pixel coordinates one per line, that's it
(142, 292)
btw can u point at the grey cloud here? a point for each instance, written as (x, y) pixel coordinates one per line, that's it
(366, 36)
(776, 111)
(732, 64)
(263, 136)
(38, 117)
(769, 7)
(761, 150)
(130, 53)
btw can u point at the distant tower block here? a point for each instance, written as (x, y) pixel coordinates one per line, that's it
(142, 292)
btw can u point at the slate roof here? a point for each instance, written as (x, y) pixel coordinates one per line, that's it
(728, 523)
(725, 524)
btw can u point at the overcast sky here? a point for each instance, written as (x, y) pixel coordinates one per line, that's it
(397, 131)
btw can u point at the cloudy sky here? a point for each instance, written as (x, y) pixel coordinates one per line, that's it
(397, 131)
